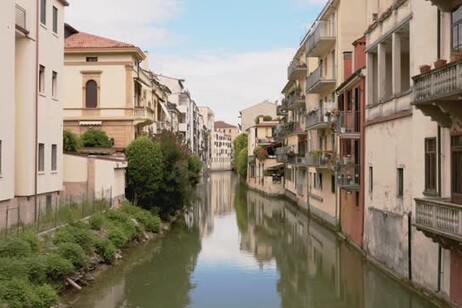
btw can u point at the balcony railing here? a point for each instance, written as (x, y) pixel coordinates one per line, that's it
(281, 154)
(320, 40)
(267, 140)
(21, 18)
(281, 110)
(143, 115)
(320, 159)
(319, 119)
(252, 160)
(321, 80)
(348, 122)
(297, 159)
(296, 101)
(296, 70)
(439, 217)
(348, 176)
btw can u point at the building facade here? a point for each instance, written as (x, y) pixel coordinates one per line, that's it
(32, 40)
(249, 114)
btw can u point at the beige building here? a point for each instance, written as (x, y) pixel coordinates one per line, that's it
(106, 87)
(249, 114)
(222, 152)
(209, 136)
(227, 129)
(32, 40)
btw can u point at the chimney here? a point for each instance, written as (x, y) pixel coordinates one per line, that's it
(146, 61)
(347, 64)
(360, 53)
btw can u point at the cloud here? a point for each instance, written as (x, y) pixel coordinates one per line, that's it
(140, 23)
(229, 82)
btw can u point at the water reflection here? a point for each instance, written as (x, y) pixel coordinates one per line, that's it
(238, 248)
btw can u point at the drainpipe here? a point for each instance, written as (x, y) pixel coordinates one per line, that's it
(440, 251)
(409, 242)
(37, 41)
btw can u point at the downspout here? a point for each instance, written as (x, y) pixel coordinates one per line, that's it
(440, 251)
(362, 173)
(36, 109)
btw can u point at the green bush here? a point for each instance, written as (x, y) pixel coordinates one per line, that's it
(32, 239)
(47, 296)
(117, 237)
(58, 267)
(78, 233)
(11, 268)
(74, 253)
(117, 216)
(96, 222)
(70, 141)
(95, 138)
(194, 169)
(36, 269)
(17, 293)
(150, 222)
(14, 247)
(106, 250)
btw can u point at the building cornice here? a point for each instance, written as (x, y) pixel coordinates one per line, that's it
(138, 53)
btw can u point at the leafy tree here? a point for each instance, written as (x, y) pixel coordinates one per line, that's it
(242, 163)
(70, 141)
(241, 142)
(267, 118)
(145, 171)
(240, 148)
(194, 169)
(95, 138)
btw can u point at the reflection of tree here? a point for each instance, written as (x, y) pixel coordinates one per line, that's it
(165, 280)
(240, 206)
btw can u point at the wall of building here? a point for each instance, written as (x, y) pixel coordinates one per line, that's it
(249, 114)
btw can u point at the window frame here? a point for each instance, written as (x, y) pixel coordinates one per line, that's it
(42, 83)
(43, 12)
(96, 102)
(430, 162)
(54, 84)
(41, 158)
(400, 182)
(55, 20)
(371, 179)
(457, 24)
(54, 157)
(456, 196)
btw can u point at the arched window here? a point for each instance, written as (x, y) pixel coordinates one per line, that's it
(91, 94)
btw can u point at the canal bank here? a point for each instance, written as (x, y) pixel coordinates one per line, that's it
(329, 224)
(238, 248)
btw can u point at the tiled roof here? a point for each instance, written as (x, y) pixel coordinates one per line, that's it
(222, 124)
(87, 40)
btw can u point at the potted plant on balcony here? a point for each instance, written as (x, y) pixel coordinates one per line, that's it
(440, 63)
(260, 153)
(456, 56)
(425, 68)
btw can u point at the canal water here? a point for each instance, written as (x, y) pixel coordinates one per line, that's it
(237, 248)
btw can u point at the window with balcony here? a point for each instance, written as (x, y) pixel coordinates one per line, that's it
(456, 168)
(91, 94)
(55, 20)
(457, 30)
(42, 79)
(43, 11)
(430, 165)
(41, 157)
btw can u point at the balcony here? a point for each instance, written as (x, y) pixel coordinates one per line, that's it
(319, 119)
(252, 160)
(281, 154)
(143, 116)
(296, 70)
(320, 159)
(265, 141)
(321, 80)
(298, 159)
(348, 124)
(296, 101)
(282, 110)
(437, 93)
(21, 18)
(321, 39)
(439, 220)
(348, 177)
(447, 5)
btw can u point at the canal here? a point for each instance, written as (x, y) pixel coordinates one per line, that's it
(237, 248)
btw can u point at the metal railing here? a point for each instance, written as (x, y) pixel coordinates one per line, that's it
(21, 17)
(348, 176)
(348, 122)
(440, 216)
(321, 30)
(319, 116)
(281, 154)
(324, 73)
(438, 83)
(320, 159)
(294, 66)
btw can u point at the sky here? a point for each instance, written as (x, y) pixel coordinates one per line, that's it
(232, 53)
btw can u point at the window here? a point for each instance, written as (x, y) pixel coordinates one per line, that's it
(42, 79)
(457, 30)
(91, 94)
(430, 165)
(332, 184)
(55, 20)
(43, 11)
(456, 168)
(41, 157)
(400, 182)
(54, 85)
(92, 59)
(318, 181)
(54, 157)
(371, 179)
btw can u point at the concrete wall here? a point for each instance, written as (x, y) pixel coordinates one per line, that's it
(351, 216)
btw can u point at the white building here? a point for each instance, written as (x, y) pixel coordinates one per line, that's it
(30, 89)
(222, 152)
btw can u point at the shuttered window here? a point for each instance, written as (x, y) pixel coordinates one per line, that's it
(91, 94)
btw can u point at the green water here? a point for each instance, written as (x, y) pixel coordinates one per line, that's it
(236, 248)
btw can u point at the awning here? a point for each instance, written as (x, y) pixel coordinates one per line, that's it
(275, 167)
(167, 114)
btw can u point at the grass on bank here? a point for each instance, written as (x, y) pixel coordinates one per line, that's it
(32, 272)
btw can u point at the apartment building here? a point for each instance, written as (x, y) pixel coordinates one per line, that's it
(221, 152)
(209, 136)
(436, 94)
(402, 35)
(249, 114)
(338, 25)
(107, 88)
(32, 40)
(228, 129)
